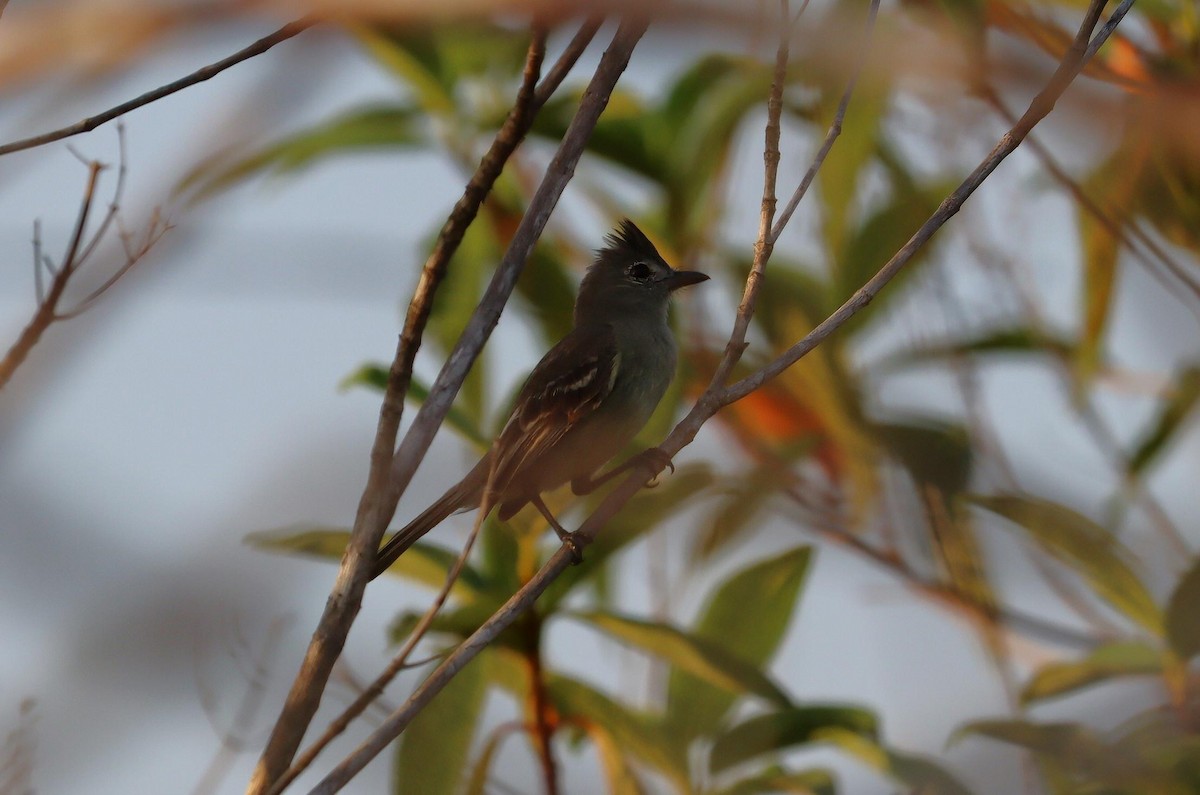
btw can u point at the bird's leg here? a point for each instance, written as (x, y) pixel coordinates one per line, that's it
(651, 457)
(567, 538)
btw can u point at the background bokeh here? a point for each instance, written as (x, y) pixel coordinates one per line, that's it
(202, 397)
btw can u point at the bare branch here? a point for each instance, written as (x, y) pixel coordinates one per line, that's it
(1102, 35)
(233, 740)
(38, 288)
(46, 311)
(835, 129)
(765, 244)
(199, 76)
(79, 250)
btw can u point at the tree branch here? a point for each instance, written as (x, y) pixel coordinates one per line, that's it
(79, 250)
(199, 76)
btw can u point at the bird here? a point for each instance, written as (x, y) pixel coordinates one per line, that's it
(586, 398)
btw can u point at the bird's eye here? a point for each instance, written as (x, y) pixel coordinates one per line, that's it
(639, 271)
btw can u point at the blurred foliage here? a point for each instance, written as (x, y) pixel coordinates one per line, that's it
(815, 444)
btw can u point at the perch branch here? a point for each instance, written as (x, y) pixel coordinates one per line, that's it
(199, 76)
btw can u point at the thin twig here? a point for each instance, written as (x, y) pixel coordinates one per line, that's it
(44, 316)
(835, 129)
(765, 244)
(114, 206)
(38, 288)
(199, 76)
(233, 741)
(686, 430)
(1107, 29)
(79, 250)
(384, 486)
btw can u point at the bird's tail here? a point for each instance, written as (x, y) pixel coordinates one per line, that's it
(464, 494)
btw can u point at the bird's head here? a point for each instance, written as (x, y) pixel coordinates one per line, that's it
(628, 277)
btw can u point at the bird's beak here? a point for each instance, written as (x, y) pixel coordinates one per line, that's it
(684, 278)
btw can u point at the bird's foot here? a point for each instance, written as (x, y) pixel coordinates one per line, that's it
(656, 460)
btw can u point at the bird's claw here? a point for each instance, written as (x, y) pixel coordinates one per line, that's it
(659, 460)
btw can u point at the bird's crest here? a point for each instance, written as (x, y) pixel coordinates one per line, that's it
(629, 239)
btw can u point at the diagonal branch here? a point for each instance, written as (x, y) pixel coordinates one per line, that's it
(708, 404)
(199, 76)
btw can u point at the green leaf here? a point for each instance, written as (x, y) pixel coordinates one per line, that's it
(375, 376)
(777, 780)
(748, 496)
(548, 291)
(383, 127)
(700, 121)
(1087, 548)
(477, 783)
(634, 731)
(842, 172)
(437, 61)
(1183, 614)
(1163, 430)
(1128, 658)
(462, 288)
(919, 774)
(1069, 743)
(704, 659)
(1100, 250)
(424, 563)
(779, 731)
(1002, 342)
(874, 241)
(621, 778)
(792, 288)
(923, 776)
(433, 750)
(935, 453)
(625, 135)
(767, 591)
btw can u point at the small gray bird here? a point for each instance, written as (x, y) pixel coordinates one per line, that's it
(585, 399)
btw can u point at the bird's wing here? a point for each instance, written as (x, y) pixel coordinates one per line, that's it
(570, 381)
